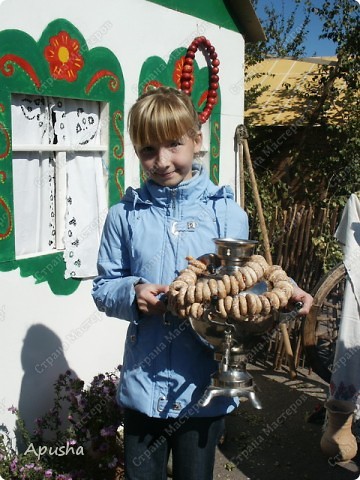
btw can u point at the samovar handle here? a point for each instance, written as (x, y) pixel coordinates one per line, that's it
(211, 260)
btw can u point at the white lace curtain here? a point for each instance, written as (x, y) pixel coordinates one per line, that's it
(33, 176)
(71, 123)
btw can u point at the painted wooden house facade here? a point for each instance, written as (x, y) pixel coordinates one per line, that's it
(69, 71)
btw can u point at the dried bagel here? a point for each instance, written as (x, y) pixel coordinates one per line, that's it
(195, 292)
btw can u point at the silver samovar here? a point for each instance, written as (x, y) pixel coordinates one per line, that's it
(232, 339)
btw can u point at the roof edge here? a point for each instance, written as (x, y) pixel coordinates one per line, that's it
(244, 15)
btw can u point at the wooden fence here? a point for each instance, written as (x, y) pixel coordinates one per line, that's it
(298, 238)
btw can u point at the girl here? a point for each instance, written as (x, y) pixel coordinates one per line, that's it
(147, 236)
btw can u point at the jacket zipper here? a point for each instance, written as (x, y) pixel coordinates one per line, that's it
(173, 202)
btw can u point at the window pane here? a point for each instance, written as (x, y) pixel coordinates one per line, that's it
(31, 120)
(34, 206)
(33, 176)
(86, 212)
(60, 199)
(76, 122)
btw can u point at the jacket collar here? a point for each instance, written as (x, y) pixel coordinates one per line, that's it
(199, 187)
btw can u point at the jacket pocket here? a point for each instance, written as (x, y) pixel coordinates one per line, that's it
(132, 334)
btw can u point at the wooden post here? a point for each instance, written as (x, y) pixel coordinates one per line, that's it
(241, 138)
(241, 175)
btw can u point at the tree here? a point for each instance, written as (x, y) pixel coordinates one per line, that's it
(339, 85)
(284, 39)
(305, 168)
(319, 162)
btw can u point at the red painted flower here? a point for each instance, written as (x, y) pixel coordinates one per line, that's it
(63, 56)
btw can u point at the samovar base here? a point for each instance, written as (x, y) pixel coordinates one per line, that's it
(234, 383)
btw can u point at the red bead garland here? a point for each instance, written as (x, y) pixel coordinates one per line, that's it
(186, 80)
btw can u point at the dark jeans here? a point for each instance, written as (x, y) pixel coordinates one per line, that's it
(148, 442)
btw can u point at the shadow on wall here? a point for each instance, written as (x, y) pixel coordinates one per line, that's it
(43, 360)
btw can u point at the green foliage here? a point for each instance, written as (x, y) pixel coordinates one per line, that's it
(285, 38)
(315, 161)
(285, 35)
(328, 250)
(271, 198)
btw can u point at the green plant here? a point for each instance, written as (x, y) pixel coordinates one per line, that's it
(77, 439)
(313, 161)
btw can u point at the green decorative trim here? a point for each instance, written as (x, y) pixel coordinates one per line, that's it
(60, 64)
(213, 11)
(155, 72)
(51, 269)
(215, 147)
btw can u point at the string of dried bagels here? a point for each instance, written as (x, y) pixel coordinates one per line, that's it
(194, 290)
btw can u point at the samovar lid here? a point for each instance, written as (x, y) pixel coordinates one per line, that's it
(234, 247)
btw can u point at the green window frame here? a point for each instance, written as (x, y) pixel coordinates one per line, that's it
(60, 64)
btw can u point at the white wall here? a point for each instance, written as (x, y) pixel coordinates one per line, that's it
(43, 335)
(127, 29)
(133, 30)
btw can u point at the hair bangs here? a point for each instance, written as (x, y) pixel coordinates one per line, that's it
(166, 125)
(158, 119)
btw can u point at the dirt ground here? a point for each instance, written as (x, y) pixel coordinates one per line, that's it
(278, 442)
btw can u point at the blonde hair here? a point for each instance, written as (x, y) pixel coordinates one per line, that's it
(161, 115)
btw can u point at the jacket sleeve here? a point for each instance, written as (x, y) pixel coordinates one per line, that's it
(232, 220)
(238, 227)
(236, 223)
(113, 289)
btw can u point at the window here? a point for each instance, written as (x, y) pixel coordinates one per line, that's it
(59, 178)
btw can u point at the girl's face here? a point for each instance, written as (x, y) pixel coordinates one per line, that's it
(170, 163)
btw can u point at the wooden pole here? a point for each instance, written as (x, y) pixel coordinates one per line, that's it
(241, 175)
(289, 351)
(242, 136)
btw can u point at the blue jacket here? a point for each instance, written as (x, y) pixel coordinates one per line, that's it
(146, 237)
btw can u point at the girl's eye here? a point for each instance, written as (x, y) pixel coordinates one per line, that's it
(175, 143)
(147, 150)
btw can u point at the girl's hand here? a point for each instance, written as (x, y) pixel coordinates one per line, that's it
(300, 295)
(146, 296)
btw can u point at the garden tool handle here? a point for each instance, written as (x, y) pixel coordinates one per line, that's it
(283, 327)
(289, 352)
